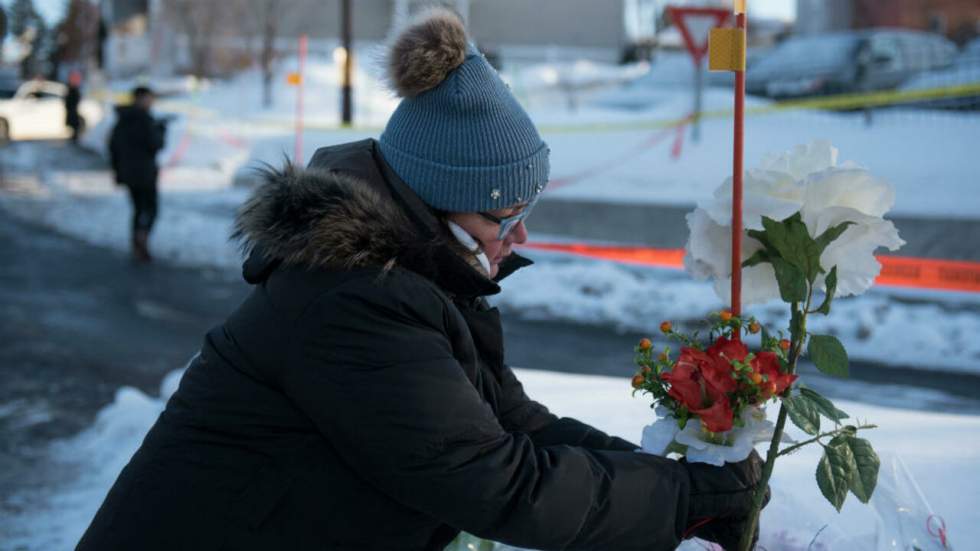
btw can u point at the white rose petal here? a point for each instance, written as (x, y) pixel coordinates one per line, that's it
(848, 187)
(764, 193)
(853, 251)
(803, 159)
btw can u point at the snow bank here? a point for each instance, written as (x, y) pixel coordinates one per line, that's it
(935, 448)
(938, 334)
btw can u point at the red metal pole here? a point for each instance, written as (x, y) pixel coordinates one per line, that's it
(737, 183)
(298, 153)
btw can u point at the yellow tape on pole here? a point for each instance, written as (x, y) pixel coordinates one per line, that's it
(726, 50)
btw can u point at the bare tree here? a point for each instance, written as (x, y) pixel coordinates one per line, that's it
(198, 22)
(269, 14)
(77, 33)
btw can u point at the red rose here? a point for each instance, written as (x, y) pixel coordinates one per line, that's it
(699, 381)
(686, 382)
(717, 418)
(730, 349)
(722, 353)
(767, 363)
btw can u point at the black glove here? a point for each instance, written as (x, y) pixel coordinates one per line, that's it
(721, 498)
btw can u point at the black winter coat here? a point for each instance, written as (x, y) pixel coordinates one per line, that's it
(359, 400)
(133, 145)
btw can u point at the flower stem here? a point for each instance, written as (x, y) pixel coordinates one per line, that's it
(834, 432)
(745, 544)
(752, 523)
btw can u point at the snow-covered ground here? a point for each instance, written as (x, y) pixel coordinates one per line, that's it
(939, 451)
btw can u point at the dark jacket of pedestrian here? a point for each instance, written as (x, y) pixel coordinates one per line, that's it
(72, 99)
(133, 145)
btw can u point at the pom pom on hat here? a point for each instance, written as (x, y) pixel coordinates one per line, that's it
(426, 51)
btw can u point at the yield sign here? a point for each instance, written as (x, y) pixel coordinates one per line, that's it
(695, 24)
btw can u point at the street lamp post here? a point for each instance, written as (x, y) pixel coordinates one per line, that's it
(346, 114)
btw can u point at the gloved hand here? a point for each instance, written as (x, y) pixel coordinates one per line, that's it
(721, 498)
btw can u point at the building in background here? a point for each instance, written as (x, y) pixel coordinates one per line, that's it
(957, 19)
(157, 36)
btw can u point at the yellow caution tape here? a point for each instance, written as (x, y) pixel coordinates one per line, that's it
(841, 101)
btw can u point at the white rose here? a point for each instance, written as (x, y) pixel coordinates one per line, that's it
(807, 180)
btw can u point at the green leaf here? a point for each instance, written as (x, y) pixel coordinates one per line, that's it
(803, 413)
(830, 234)
(866, 464)
(831, 282)
(823, 405)
(792, 285)
(828, 355)
(794, 244)
(777, 237)
(834, 473)
(758, 257)
(761, 237)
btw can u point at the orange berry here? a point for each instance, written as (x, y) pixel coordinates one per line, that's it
(646, 370)
(638, 380)
(771, 387)
(754, 327)
(725, 315)
(645, 344)
(784, 344)
(666, 327)
(663, 357)
(756, 378)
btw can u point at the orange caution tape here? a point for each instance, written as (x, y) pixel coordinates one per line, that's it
(929, 273)
(896, 271)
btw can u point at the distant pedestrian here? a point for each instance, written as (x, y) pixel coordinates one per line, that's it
(133, 146)
(74, 96)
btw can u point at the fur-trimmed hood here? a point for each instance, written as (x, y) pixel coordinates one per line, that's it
(320, 219)
(329, 218)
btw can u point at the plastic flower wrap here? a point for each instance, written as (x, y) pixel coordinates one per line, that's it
(807, 180)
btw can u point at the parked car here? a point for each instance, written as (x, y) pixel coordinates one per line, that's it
(670, 73)
(846, 62)
(37, 111)
(965, 71)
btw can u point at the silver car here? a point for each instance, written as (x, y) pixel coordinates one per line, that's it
(847, 62)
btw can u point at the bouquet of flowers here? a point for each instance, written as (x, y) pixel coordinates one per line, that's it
(811, 228)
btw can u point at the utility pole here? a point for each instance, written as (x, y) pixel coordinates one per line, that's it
(346, 114)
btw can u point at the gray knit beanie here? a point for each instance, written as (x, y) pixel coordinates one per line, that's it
(458, 138)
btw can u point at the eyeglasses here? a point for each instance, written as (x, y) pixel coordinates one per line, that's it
(509, 223)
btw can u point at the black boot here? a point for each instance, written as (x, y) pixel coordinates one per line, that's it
(141, 252)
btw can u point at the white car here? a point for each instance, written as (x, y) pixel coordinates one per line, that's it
(37, 111)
